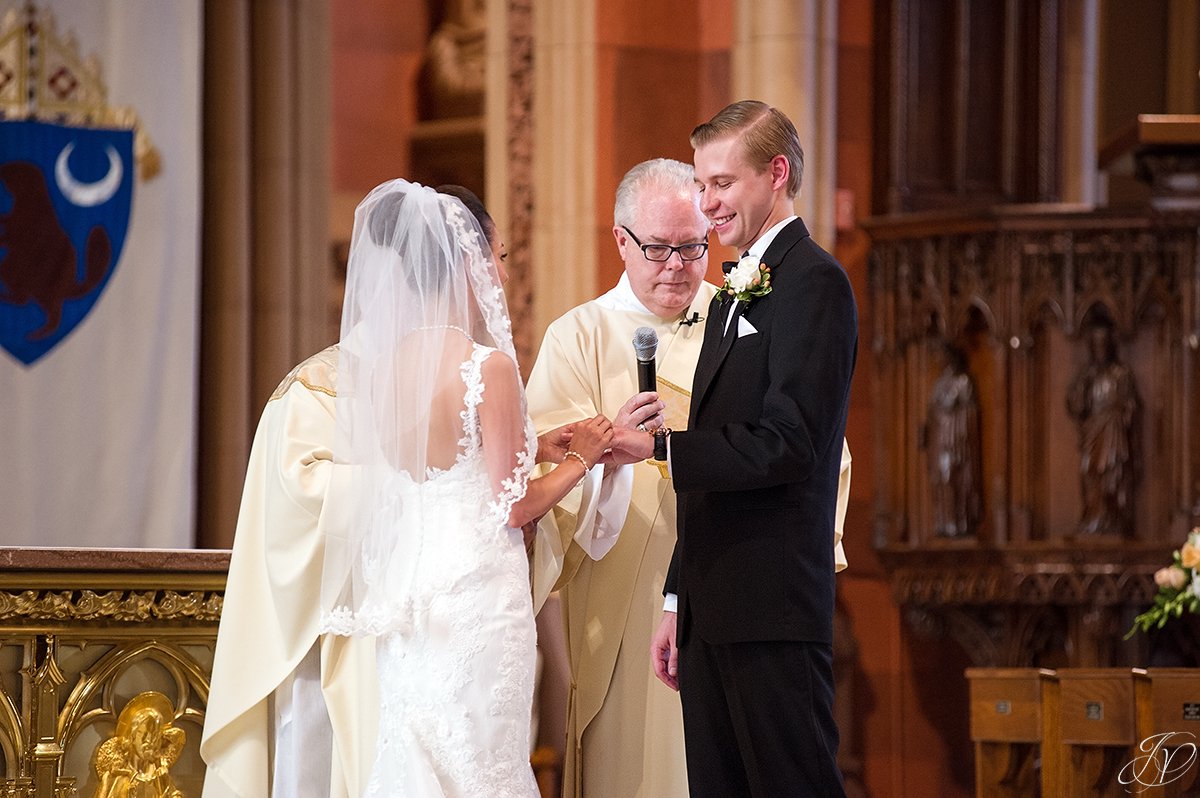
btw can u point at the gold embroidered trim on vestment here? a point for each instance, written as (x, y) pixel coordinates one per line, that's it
(318, 388)
(673, 386)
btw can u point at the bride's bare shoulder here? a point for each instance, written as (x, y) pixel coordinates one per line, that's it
(499, 372)
(498, 364)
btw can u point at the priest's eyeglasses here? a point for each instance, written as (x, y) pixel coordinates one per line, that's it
(662, 252)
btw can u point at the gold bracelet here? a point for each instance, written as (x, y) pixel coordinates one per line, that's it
(579, 457)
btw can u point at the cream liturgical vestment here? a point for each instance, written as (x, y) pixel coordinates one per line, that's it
(624, 728)
(282, 696)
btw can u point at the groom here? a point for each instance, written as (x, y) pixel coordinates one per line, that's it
(756, 474)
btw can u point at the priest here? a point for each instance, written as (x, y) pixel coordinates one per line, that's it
(289, 709)
(624, 730)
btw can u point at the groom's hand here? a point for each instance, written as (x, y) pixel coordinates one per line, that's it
(664, 654)
(629, 446)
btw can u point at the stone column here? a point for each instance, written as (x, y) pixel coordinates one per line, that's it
(785, 54)
(564, 169)
(1080, 173)
(508, 158)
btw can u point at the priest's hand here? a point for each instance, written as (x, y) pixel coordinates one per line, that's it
(629, 446)
(553, 445)
(642, 412)
(529, 534)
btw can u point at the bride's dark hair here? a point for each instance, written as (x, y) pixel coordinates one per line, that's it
(475, 205)
(384, 215)
(383, 218)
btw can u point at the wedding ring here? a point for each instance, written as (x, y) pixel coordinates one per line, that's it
(641, 427)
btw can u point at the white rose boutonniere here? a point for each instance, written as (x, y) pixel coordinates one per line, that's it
(749, 279)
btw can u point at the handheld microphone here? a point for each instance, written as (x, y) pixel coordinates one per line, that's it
(645, 346)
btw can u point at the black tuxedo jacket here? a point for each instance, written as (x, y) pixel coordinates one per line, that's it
(756, 472)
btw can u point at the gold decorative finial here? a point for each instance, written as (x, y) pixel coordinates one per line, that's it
(136, 761)
(43, 77)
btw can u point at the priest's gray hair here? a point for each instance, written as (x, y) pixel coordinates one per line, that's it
(665, 174)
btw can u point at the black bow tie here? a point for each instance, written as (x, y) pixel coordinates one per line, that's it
(728, 265)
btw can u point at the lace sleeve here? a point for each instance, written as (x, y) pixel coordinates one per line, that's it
(506, 434)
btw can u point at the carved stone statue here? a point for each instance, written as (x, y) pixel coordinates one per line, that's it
(952, 441)
(136, 761)
(456, 61)
(1103, 400)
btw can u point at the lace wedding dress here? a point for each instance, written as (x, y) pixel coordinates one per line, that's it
(456, 661)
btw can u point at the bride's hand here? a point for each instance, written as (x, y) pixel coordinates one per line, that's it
(592, 438)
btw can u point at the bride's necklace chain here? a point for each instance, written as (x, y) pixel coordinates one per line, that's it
(445, 327)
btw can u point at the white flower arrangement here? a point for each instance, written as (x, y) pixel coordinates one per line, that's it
(749, 279)
(1178, 588)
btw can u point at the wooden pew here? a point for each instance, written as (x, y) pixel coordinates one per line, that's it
(1008, 727)
(1168, 731)
(1097, 732)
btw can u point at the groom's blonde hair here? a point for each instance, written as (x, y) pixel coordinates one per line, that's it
(764, 131)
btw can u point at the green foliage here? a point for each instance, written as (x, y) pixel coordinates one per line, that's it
(1171, 602)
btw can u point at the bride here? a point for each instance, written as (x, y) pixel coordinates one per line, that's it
(431, 419)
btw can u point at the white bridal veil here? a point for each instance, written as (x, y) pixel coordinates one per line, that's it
(423, 306)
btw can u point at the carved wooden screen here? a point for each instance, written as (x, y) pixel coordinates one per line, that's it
(970, 114)
(1039, 434)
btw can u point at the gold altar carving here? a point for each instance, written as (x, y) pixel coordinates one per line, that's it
(119, 605)
(136, 761)
(105, 663)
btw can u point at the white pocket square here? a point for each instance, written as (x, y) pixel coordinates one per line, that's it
(745, 327)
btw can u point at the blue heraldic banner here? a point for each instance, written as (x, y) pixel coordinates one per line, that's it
(65, 199)
(100, 193)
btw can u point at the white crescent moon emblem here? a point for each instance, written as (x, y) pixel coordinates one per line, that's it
(87, 195)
